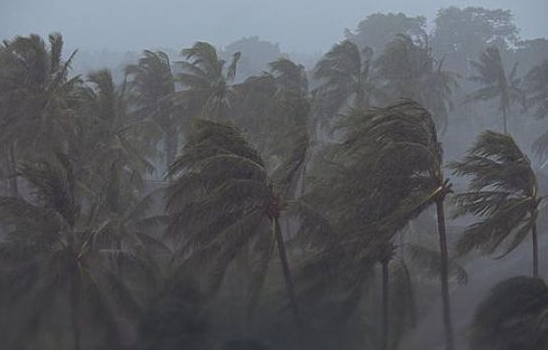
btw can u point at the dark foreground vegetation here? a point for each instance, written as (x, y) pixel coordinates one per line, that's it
(190, 206)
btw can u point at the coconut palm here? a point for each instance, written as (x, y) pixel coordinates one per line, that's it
(496, 83)
(153, 83)
(536, 84)
(400, 143)
(52, 250)
(346, 79)
(408, 69)
(512, 316)
(537, 87)
(109, 134)
(207, 89)
(223, 200)
(37, 98)
(503, 191)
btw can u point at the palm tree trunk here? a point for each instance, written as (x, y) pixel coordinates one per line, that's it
(449, 343)
(170, 147)
(535, 249)
(504, 121)
(385, 291)
(75, 315)
(12, 171)
(288, 279)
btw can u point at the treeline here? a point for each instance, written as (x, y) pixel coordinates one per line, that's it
(186, 208)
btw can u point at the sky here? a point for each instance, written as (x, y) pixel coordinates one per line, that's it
(308, 26)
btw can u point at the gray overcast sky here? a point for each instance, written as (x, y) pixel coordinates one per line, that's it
(298, 25)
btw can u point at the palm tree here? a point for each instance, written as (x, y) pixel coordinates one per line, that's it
(37, 99)
(405, 137)
(207, 89)
(503, 191)
(496, 83)
(345, 75)
(109, 134)
(537, 86)
(223, 200)
(400, 143)
(154, 86)
(409, 70)
(53, 249)
(512, 316)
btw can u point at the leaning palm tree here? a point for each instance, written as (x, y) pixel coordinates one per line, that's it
(345, 75)
(496, 83)
(223, 199)
(207, 89)
(153, 83)
(512, 316)
(503, 191)
(400, 143)
(52, 250)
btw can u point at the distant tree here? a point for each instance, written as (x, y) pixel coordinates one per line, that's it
(154, 86)
(207, 89)
(503, 191)
(345, 75)
(109, 135)
(512, 316)
(496, 83)
(256, 54)
(537, 88)
(460, 34)
(37, 99)
(408, 69)
(379, 29)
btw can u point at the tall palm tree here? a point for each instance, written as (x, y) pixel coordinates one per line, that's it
(223, 199)
(496, 83)
(405, 137)
(503, 191)
(512, 316)
(52, 250)
(206, 83)
(400, 143)
(37, 98)
(153, 83)
(346, 77)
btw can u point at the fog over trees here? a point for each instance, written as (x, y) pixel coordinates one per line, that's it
(386, 193)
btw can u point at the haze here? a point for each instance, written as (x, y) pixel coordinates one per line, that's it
(299, 26)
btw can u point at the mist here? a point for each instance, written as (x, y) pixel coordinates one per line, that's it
(264, 175)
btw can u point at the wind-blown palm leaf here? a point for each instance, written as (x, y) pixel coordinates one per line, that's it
(502, 191)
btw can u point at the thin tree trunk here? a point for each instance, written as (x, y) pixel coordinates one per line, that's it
(385, 296)
(449, 343)
(170, 148)
(75, 315)
(288, 279)
(535, 249)
(505, 126)
(12, 172)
